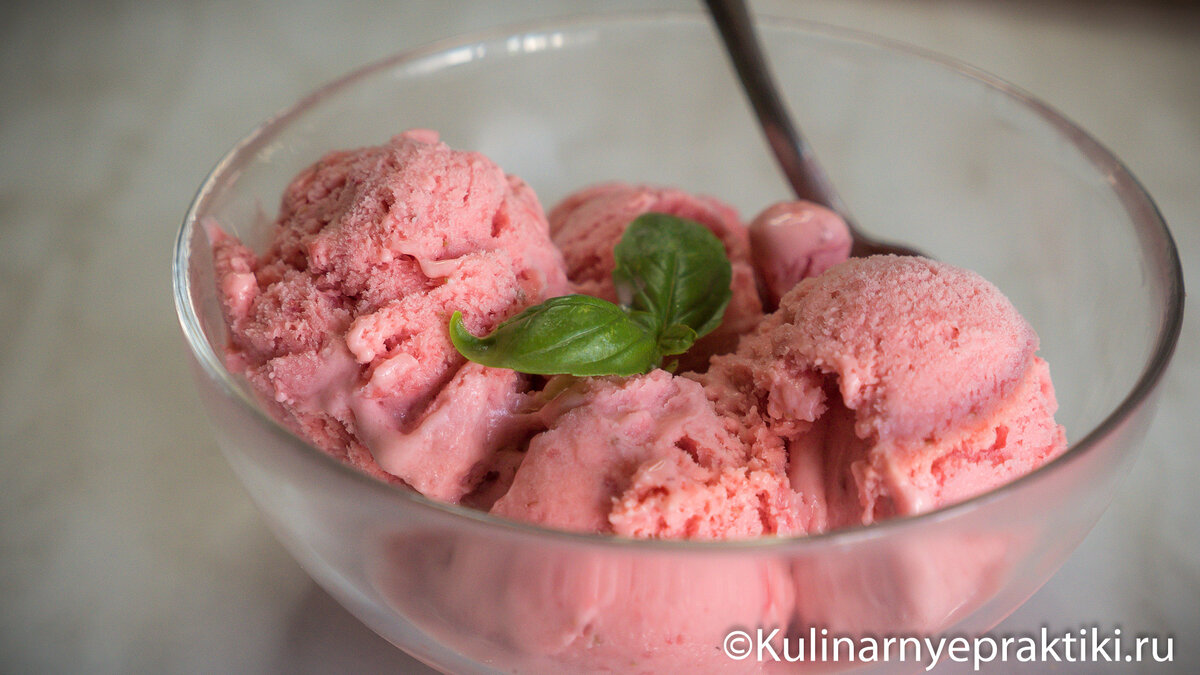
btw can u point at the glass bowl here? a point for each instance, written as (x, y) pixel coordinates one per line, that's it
(925, 150)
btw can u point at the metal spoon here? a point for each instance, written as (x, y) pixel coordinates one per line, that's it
(800, 167)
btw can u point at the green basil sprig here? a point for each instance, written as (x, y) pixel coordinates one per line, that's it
(676, 270)
(575, 334)
(673, 279)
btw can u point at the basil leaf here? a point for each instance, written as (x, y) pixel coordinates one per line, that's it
(675, 339)
(674, 279)
(676, 270)
(568, 335)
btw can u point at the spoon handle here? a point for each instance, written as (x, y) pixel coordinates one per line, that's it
(795, 157)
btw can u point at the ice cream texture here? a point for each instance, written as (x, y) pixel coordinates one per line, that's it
(898, 384)
(879, 387)
(341, 324)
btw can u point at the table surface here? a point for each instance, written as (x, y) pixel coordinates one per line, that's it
(127, 544)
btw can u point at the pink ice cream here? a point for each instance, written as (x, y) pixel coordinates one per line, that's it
(551, 609)
(881, 387)
(643, 456)
(341, 325)
(792, 241)
(648, 456)
(899, 385)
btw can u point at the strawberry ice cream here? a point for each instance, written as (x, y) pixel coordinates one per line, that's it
(900, 385)
(551, 609)
(916, 585)
(880, 387)
(648, 456)
(791, 241)
(341, 325)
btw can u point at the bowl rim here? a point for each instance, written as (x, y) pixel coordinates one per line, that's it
(1156, 242)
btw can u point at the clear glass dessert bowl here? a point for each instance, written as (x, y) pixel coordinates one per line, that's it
(926, 151)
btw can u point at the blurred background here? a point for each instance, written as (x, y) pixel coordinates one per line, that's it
(126, 543)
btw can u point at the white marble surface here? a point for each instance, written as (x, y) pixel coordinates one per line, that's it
(126, 544)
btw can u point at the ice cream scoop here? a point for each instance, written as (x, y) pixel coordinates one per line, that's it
(341, 325)
(647, 456)
(790, 241)
(900, 385)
